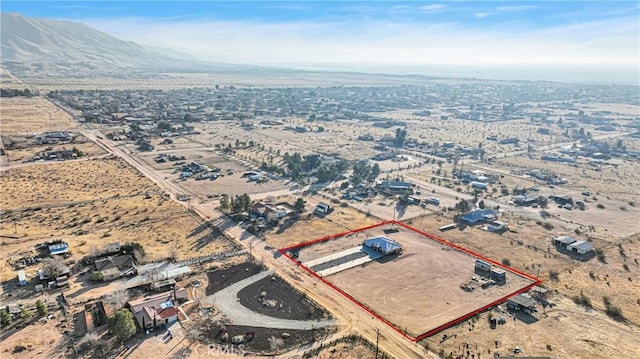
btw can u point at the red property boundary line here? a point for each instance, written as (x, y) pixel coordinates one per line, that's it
(284, 252)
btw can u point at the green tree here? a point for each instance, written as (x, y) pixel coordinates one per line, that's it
(26, 313)
(462, 206)
(375, 172)
(543, 202)
(299, 205)
(122, 325)
(42, 308)
(5, 317)
(225, 203)
(401, 136)
(164, 126)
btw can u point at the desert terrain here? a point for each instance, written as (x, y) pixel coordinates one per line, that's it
(120, 193)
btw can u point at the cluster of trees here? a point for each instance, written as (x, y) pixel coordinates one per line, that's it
(401, 137)
(237, 204)
(15, 93)
(363, 172)
(6, 318)
(298, 166)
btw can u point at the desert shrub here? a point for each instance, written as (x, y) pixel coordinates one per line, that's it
(554, 276)
(42, 308)
(625, 266)
(583, 300)
(592, 275)
(601, 256)
(506, 261)
(614, 312)
(600, 205)
(548, 226)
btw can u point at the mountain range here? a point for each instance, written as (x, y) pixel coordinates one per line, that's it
(56, 47)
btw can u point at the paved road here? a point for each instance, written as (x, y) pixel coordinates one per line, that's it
(227, 302)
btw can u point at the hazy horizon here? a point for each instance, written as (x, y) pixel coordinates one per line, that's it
(593, 41)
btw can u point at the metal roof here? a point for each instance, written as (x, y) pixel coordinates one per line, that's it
(382, 243)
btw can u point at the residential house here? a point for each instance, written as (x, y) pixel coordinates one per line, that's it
(111, 268)
(158, 310)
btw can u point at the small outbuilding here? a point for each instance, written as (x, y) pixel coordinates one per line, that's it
(563, 241)
(580, 247)
(22, 278)
(522, 302)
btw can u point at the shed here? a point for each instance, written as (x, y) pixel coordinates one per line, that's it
(499, 274)
(497, 226)
(482, 265)
(563, 241)
(59, 248)
(580, 247)
(522, 302)
(22, 278)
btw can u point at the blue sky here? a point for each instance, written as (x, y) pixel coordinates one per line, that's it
(373, 33)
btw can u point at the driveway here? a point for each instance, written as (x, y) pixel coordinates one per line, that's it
(227, 302)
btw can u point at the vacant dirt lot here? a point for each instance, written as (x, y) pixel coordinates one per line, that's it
(81, 203)
(568, 329)
(427, 294)
(63, 182)
(21, 115)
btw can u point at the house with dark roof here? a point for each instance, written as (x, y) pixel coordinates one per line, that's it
(111, 268)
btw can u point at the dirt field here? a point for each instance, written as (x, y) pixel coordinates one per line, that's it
(61, 182)
(38, 340)
(569, 330)
(289, 303)
(424, 298)
(21, 115)
(24, 148)
(221, 278)
(90, 216)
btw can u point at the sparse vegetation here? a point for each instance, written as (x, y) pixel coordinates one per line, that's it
(583, 300)
(42, 308)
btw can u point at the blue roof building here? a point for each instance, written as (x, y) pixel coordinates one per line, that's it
(383, 245)
(59, 248)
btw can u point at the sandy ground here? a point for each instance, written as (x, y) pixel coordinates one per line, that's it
(61, 182)
(41, 339)
(570, 330)
(21, 115)
(90, 216)
(425, 290)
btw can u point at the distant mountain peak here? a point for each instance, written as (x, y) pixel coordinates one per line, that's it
(44, 42)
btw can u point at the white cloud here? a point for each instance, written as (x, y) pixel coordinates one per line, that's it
(510, 8)
(433, 8)
(483, 14)
(607, 43)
